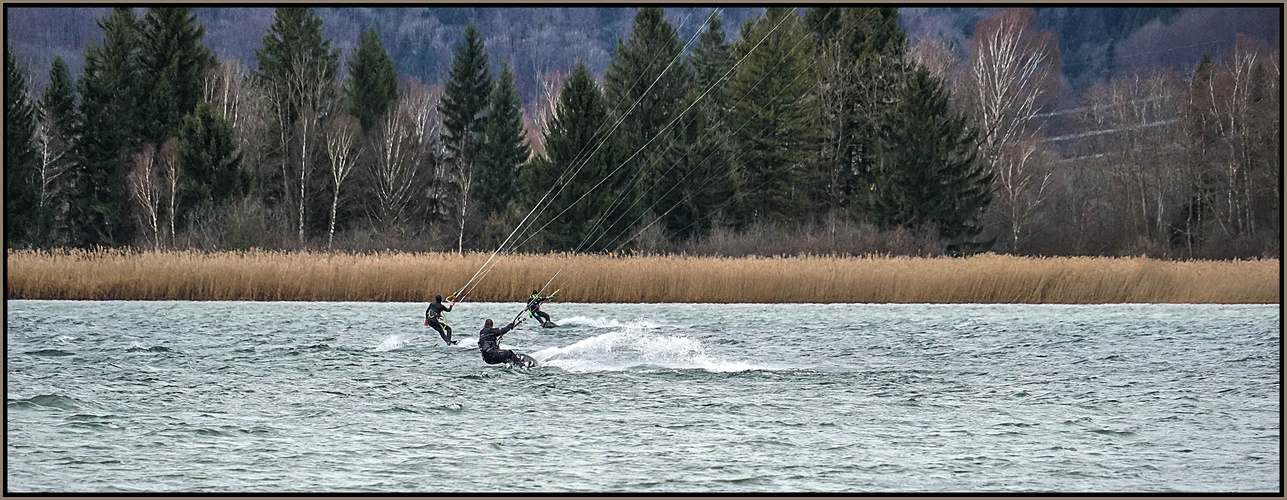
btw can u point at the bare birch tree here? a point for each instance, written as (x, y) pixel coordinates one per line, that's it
(145, 188)
(343, 152)
(169, 158)
(393, 172)
(546, 109)
(1132, 123)
(1012, 69)
(309, 84)
(51, 152)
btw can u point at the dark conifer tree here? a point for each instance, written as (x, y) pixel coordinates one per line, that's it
(297, 70)
(927, 151)
(107, 131)
(465, 98)
(212, 171)
(172, 63)
(19, 155)
(708, 186)
(861, 68)
(649, 64)
(57, 108)
(575, 205)
(59, 99)
(771, 96)
(373, 83)
(505, 149)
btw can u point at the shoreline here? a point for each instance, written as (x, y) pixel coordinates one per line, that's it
(400, 277)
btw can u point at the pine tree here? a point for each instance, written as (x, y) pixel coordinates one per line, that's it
(771, 99)
(173, 61)
(212, 171)
(106, 134)
(581, 110)
(708, 185)
(504, 150)
(647, 69)
(928, 152)
(373, 83)
(19, 155)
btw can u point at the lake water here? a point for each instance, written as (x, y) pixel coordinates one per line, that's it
(361, 397)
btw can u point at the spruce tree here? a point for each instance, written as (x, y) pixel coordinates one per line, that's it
(647, 69)
(297, 70)
(212, 171)
(106, 134)
(57, 109)
(928, 153)
(771, 98)
(504, 150)
(373, 83)
(294, 43)
(465, 97)
(19, 155)
(708, 186)
(59, 98)
(172, 61)
(862, 66)
(580, 112)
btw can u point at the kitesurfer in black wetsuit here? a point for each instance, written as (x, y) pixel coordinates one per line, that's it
(489, 344)
(433, 318)
(534, 307)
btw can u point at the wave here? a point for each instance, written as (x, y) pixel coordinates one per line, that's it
(139, 348)
(49, 352)
(636, 348)
(604, 323)
(44, 401)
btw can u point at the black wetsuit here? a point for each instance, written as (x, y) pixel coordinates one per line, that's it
(489, 345)
(534, 308)
(433, 317)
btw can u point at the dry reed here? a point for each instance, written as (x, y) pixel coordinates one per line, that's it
(305, 276)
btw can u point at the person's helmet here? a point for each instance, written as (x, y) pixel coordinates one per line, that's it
(533, 292)
(488, 323)
(438, 297)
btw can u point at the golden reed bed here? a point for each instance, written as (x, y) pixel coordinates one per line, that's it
(256, 275)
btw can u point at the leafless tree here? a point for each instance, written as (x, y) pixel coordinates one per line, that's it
(1234, 96)
(145, 187)
(546, 106)
(343, 151)
(169, 158)
(438, 187)
(309, 86)
(1012, 70)
(51, 152)
(394, 171)
(1133, 124)
(937, 57)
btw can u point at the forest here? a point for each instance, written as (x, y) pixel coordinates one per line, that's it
(819, 131)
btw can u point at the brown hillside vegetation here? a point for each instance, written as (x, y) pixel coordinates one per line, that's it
(258, 275)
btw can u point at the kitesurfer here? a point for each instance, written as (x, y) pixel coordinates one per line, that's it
(534, 307)
(489, 344)
(433, 318)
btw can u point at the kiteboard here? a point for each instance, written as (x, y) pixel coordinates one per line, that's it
(548, 324)
(524, 361)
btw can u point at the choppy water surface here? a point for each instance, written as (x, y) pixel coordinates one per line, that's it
(316, 397)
